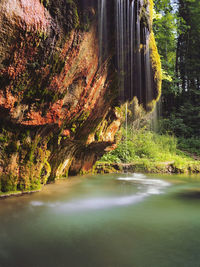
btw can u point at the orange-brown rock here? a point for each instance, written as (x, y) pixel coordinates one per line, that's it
(59, 108)
(54, 95)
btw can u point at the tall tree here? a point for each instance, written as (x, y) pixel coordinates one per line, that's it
(188, 64)
(177, 31)
(188, 46)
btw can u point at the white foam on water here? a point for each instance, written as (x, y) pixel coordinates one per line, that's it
(37, 203)
(99, 203)
(91, 203)
(146, 188)
(148, 185)
(153, 191)
(137, 177)
(133, 176)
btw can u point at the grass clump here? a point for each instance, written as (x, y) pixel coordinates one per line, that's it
(151, 152)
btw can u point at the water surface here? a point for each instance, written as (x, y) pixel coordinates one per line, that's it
(105, 220)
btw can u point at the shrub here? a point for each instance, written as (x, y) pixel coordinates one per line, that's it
(145, 145)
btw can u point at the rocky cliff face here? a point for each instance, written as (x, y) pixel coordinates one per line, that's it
(59, 108)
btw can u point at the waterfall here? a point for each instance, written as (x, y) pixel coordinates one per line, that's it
(102, 27)
(120, 33)
(138, 61)
(155, 116)
(125, 39)
(131, 47)
(126, 128)
(133, 61)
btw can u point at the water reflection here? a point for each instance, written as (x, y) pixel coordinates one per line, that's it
(189, 194)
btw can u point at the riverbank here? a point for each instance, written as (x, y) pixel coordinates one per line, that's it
(143, 166)
(48, 188)
(17, 193)
(147, 166)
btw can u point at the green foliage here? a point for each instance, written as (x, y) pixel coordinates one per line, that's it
(147, 151)
(146, 146)
(165, 30)
(191, 145)
(174, 125)
(177, 32)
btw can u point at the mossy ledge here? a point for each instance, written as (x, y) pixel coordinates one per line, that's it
(147, 167)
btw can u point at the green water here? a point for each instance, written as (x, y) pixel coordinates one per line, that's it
(102, 221)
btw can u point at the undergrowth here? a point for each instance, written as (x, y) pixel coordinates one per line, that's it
(149, 148)
(191, 145)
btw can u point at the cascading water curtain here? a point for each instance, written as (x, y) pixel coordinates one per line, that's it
(102, 27)
(132, 44)
(132, 47)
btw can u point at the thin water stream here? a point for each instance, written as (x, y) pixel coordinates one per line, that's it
(105, 220)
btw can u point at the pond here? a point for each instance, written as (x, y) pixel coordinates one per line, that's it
(117, 220)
